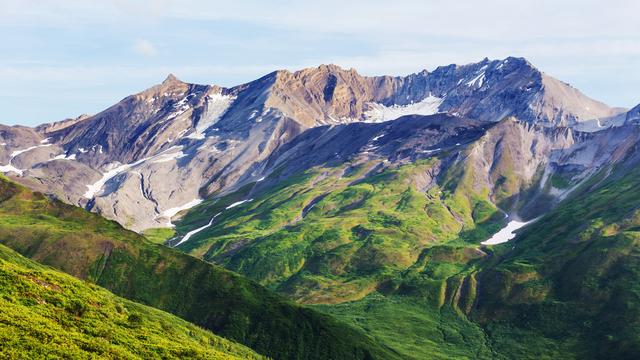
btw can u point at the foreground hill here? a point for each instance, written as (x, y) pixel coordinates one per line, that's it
(89, 247)
(48, 314)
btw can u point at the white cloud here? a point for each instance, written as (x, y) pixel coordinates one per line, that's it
(144, 47)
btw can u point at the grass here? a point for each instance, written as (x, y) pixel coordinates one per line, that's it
(47, 314)
(416, 330)
(355, 232)
(572, 276)
(159, 235)
(398, 263)
(92, 248)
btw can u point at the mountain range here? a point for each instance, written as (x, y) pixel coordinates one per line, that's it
(366, 212)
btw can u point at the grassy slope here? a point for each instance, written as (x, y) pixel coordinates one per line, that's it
(369, 242)
(355, 235)
(412, 274)
(45, 314)
(90, 247)
(573, 275)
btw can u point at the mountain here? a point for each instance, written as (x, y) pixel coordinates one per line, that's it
(46, 313)
(203, 139)
(390, 203)
(406, 184)
(92, 248)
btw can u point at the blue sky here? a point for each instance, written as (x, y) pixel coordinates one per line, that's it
(62, 58)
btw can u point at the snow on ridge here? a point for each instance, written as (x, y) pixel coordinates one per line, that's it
(63, 157)
(379, 113)
(477, 81)
(18, 152)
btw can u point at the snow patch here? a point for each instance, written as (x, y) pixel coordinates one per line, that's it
(476, 81)
(379, 112)
(171, 212)
(164, 157)
(429, 151)
(217, 106)
(115, 169)
(10, 168)
(18, 152)
(93, 189)
(188, 235)
(593, 125)
(506, 233)
(63, 157)
(237, 203)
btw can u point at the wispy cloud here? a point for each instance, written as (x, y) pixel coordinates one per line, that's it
(144, 47)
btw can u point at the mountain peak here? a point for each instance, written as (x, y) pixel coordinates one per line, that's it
(170, 79)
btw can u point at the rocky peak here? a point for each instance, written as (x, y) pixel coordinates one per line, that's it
(633, 115)
(171, 79)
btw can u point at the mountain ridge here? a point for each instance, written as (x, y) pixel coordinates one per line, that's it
(206, 138)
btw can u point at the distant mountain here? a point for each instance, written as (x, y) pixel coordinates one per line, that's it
(163, 150)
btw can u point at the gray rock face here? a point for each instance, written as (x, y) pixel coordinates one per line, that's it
(158, 152)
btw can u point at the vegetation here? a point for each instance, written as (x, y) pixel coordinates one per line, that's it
(401, 264)
(573, 275)
(332, 235)
(48, 314)
(90, 247)
(159, 235)
(406, 266)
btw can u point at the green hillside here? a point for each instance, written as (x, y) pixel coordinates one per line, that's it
(407, 267)
(90, 247)
(573, 275)
(331, 235)
(48, 314)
